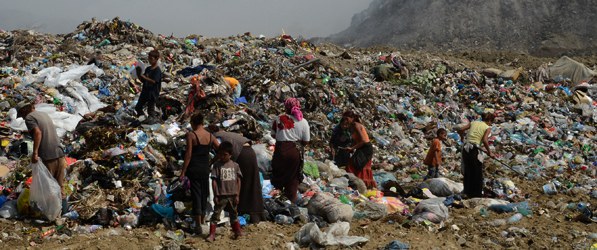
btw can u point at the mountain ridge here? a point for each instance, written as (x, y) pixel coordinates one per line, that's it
(545, 28)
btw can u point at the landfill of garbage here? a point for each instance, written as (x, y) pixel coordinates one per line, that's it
(122, 176)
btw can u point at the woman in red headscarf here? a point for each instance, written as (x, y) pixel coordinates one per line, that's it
(292, 133)
(360, 161)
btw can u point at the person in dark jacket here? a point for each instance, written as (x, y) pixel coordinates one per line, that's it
(152, 85)
(251, 199)
(341, 138)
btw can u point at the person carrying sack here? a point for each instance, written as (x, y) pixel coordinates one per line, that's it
(362, 149)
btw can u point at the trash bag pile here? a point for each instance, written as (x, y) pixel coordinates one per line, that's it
(123, 171)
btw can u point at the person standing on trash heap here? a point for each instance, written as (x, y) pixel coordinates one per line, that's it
(434, 156)
(341, 138)
(360, 138)
(226, 183)
(250, 197)
(152, 85)
(196, 167)
(46, 144)
(292, 134)
(478, 133)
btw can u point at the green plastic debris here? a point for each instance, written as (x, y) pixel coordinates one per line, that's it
(311, 169)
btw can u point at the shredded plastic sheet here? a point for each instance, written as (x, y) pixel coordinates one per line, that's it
(54, 77)
(64, 122)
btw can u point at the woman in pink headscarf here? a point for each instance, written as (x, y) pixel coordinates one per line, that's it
(292, 133)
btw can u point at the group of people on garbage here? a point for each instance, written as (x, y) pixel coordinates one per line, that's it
(233, 174)
(350, 146)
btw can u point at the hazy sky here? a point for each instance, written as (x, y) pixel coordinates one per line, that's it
(211, 18)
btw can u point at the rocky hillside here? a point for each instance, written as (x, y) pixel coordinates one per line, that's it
(546, 27)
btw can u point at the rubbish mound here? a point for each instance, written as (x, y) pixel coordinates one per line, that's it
(123, 170)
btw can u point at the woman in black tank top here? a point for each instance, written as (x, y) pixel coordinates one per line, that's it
(197, 167)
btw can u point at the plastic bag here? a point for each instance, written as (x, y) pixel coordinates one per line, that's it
(371, 210)
(327, 206)
(442, 187)
(393, 204)
(264, 158)
(336, 234)
(396, 245)
(23, 206)
(432, 210)
(362, 156)
(9, 209)
(45, 192)
(382, 177)
(54, 78)
(311, 169)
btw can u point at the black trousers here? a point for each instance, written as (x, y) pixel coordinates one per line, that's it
(147, 98)
(473, 172)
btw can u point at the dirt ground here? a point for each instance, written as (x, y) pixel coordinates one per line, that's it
(550, 227)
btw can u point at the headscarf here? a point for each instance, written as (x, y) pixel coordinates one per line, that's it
(293, 106)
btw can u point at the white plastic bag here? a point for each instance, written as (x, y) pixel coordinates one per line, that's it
(264, 158)
(45, 192)
(327, 206)
(336, 234)
(432, 210)
(442, 187)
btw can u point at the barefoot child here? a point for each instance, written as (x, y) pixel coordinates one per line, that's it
(434, 155)
(226, 177)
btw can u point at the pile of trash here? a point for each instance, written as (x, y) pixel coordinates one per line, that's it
(123, 172)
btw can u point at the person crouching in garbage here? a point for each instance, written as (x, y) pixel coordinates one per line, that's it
(225, 176)
(152, 85)
(235, 86)
(472, 161)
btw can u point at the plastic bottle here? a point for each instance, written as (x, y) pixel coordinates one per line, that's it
(2, 200)
(515, 218)
(381, 140)
(142, 140)
(73, 215)
(584, 209)
(131, 165)
(497, 222)
(484, 212)
(499, 208)
(284, 220)
(383, 108)
(104, 43)
(524, 211)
